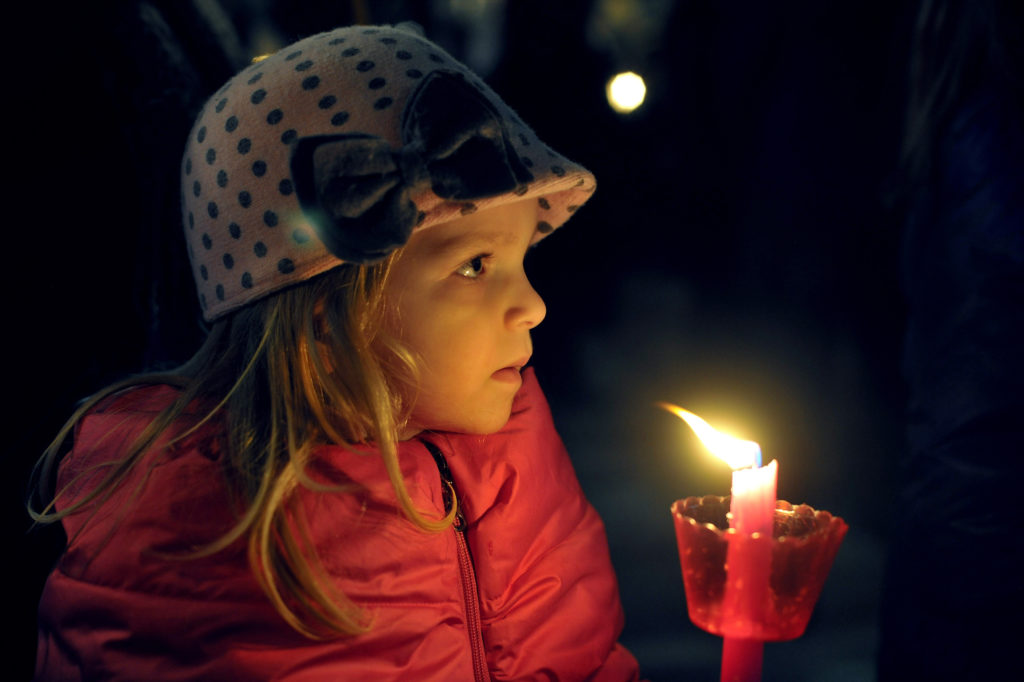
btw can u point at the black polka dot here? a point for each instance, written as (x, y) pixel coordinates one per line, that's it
(285, 187)
(286, 266)
(255, 79)
(520, 190)
(220, 105)
(211, 155)
(388, 41)
(382, 103)
(246, 281)
(222, 178)
(270, 219)
(436, 58)
(231, 124)
(420, 217)
(527, 161)
(204, 273)
(365, 65)
(196, 189)
(414, 73)
(289, 136)
(211, 208)
(244, 145)
(468, 208)
(525, 140)
(544, 204)
(235, 230)
(310, 82)
(220, 292)
(293, 55)
(327, 102)
(544, 227)
(571, 208)
(201, 135)
(402, 54)
(229, 261)
(258, 96)
(300, 236)
(259, 168)
(336, 41)
(188, 166)
(558, 170)
(304, 66)
(377, 83)
(275, 116)
(339, 118)
(207, 242)
(244, 199)
(260, 249)
(350, 52)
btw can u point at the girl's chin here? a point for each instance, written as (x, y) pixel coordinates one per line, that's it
(478, 424)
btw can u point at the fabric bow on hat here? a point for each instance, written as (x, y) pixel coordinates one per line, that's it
(357, 190)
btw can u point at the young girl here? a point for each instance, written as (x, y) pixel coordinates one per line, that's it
(354, 477)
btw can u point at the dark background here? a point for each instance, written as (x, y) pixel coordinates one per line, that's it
(741, 257)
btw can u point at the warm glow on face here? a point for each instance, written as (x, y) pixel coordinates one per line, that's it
(625, 92)
(737, 453)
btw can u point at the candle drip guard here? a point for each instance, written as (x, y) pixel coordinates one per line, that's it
(803, 545)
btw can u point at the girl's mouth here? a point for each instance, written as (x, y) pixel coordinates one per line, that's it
(512, 373)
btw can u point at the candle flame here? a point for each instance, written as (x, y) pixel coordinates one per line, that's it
(737, 453)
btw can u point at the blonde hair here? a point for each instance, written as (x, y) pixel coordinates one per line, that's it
(310, 365)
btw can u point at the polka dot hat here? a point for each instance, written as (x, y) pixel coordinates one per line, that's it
(337, 147)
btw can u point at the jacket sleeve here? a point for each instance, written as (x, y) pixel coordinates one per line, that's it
(549, 598)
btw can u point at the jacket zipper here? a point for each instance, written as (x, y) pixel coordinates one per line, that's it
(472, 608)
(466, 571)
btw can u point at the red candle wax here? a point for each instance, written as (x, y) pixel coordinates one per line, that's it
(748, 568)
(753, 499)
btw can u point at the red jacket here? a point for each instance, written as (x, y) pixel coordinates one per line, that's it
(525, 592)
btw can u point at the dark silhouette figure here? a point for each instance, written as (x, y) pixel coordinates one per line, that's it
(953, 581)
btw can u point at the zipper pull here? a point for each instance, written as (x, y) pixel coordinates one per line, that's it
(448, 493)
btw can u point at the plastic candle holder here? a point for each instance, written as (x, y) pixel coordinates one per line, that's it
(802, 547)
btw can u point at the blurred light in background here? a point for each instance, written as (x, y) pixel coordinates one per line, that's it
(625, 92)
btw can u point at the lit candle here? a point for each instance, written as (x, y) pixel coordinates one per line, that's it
(748, 564)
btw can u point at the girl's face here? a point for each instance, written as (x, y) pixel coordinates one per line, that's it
(465, 308)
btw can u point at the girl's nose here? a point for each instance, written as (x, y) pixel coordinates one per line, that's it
(527, 309)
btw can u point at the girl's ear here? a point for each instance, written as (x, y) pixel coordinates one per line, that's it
(319, 322)
(322, 336)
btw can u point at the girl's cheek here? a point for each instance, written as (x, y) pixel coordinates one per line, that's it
(460, 291)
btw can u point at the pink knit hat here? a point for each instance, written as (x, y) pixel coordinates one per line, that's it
(334, 149)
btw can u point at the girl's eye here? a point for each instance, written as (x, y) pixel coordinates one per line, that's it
(471, 269)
